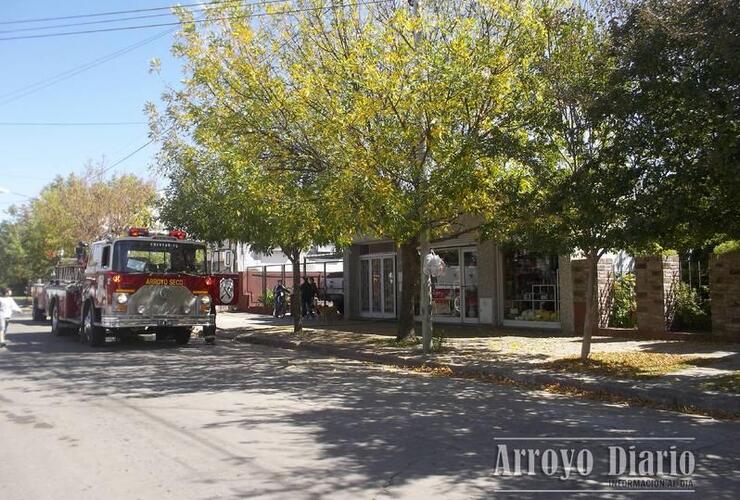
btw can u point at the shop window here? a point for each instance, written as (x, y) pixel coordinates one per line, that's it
(531, 290)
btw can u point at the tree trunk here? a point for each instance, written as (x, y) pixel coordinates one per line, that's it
(589, 319)
(409, 260)
(295, 297)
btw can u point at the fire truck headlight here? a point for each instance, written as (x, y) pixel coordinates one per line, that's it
(205, 300)
(186, 309)
(141, 309)
(122, 298)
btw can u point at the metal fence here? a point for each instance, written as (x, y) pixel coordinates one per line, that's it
(257, 281)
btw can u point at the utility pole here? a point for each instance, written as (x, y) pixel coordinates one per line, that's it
(424, 244)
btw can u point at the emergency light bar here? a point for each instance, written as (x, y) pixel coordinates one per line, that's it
(138, 231)
(142, 231)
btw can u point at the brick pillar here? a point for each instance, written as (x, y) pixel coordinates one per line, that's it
(724, 292)
(656, 278)
(604, 282)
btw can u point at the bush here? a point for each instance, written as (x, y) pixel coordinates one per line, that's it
(727, 246)
(268, 300)
(439, 340)
(624, 303)
(692, 309)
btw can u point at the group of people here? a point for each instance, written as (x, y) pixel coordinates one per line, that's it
(309, 292)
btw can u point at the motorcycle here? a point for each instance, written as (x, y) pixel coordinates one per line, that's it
(281, 304)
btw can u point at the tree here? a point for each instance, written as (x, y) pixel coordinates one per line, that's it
(219, 193)
(239, 149)
(677, 102)
(367, 116)
(73, 209)
(576, 193)
(14, 271)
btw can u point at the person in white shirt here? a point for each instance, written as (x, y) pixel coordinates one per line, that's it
(7, 308)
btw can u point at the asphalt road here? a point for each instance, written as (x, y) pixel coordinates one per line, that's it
(152, 421)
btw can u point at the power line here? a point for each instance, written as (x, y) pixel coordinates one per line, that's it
(101, 14)
(129, 155)
(159, 25)
(102, 21)
(128, 18)
(67, 124)
(59, 77)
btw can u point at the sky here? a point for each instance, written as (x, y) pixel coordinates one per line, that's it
(114, 91)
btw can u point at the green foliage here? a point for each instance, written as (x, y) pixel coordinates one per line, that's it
(341, 119)
(692, 311)
(675, 98)
(14, 270)
(575, 192)
(268, 300)
(624, 302)
(439, 340)
(727, 246)
(649, 249)
(68, 210)
(392, 342)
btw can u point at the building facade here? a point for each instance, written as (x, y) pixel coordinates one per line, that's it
(482, 283)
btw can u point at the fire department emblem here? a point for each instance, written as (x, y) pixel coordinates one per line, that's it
(226, 290)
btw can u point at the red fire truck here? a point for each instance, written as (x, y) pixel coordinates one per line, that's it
(143, 283)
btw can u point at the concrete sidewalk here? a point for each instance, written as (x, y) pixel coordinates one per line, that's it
(512, 356)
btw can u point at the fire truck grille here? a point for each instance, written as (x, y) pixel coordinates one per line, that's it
(163, 301)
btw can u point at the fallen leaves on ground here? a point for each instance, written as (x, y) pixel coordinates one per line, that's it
(631, 365)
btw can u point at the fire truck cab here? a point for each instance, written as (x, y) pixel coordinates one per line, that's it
(143, 283)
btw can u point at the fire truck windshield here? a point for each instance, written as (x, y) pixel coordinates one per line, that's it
(147, 256)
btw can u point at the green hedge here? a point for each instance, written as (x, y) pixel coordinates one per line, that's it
(624, 303)
(727, 246)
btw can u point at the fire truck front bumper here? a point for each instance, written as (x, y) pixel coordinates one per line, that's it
(123, 321)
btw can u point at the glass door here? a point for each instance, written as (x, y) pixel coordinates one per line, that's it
(470, 283)
(378, 286)
(446, 297)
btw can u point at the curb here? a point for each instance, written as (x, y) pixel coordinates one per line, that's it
(719, 407)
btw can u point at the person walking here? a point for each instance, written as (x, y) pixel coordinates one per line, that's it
(306, 297)
(7, 308)
(314, 295)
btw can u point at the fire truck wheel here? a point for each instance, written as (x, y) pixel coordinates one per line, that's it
(93, 335)
(56, 325)
(182, 335)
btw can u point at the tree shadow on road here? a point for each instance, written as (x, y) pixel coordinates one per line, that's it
(374, 430)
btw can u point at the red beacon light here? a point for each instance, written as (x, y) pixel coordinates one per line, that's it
(176, 233)
(138, 231)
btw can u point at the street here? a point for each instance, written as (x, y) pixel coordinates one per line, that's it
(144, 420)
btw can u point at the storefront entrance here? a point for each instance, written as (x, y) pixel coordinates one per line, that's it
(455, 292)
(378, 286)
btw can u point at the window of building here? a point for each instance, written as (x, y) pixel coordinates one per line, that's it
(531, 289)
